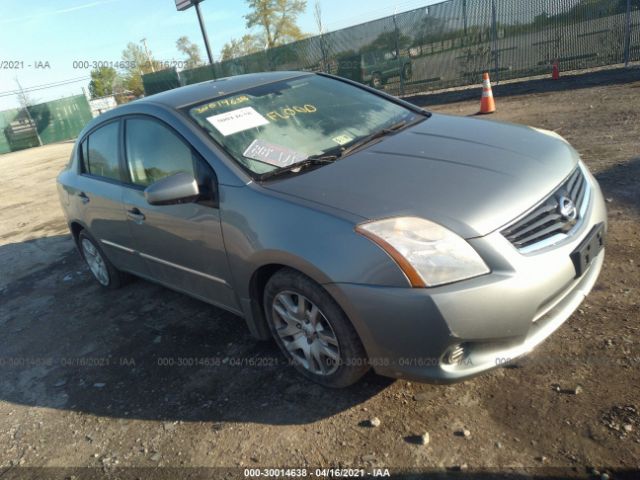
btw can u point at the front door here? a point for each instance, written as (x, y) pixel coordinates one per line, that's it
(182, 244)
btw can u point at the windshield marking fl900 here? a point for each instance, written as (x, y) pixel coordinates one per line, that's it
(295, 119)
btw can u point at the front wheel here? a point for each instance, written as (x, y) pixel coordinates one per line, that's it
(376, 81)
(406, 71)
(312, 330)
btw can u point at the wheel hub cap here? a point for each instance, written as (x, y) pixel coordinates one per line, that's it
(95, 262)
(306, 333)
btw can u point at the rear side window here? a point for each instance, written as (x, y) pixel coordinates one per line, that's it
(155, 152)
(100, 152)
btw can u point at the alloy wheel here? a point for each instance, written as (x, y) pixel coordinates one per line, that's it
(306, 333)
(95, 261)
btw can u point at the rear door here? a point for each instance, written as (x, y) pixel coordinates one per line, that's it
(97, 197)
(181, 244)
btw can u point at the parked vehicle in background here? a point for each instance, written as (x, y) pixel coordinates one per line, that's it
(378, 67)
(357, 230)
(375, 68)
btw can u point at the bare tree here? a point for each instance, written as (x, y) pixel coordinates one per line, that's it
(23, 97)
(317, 14)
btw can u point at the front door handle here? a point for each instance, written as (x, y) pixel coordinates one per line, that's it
(83, 197)
(135, 214)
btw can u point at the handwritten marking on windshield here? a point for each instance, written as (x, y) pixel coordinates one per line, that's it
(225, 102)
(288, 112)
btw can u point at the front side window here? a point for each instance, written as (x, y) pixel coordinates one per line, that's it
(283, 123)
(154, 152)
(100, 152)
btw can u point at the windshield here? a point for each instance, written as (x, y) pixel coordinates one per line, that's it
(272, 126)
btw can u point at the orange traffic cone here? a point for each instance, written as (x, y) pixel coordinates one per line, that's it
(556, 71)
(487, 104)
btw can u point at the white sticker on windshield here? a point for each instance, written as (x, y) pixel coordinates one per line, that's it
(272, 154)
(237, 120)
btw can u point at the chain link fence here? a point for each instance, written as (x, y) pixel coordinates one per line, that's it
(437, 46)
(450, 44)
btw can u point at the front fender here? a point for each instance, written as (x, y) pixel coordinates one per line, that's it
(261, 227)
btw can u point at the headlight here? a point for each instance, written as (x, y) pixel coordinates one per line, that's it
(427, 253)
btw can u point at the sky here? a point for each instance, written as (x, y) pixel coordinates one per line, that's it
(48, 41)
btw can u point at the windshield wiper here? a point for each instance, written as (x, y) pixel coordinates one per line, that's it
(321, 159)
(325, 158)
(374, 136)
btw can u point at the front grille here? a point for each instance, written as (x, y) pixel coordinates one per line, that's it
(551, 217)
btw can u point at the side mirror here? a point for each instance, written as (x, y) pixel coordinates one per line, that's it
(178, 188)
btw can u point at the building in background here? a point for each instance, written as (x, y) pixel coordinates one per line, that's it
(102, 104)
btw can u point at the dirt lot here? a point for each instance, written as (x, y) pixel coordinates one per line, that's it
(83, 379)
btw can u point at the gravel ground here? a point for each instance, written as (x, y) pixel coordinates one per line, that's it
(95, 382)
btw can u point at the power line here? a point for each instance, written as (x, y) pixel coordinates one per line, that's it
(44, 86)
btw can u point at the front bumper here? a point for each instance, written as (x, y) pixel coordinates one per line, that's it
(490, 320)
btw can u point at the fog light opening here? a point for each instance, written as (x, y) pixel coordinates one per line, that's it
(454, 354)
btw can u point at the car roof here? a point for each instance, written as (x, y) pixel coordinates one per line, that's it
(200, 92)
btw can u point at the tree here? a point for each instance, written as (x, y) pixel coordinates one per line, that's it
(103, 82)
(238, 48)
(317, 15)
(386, 42)
(23, 97)
(431, 29)
(137, 62)
(277, 18)
(191, 50)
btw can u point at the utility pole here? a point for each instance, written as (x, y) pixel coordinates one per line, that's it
(146, 50)
(204, 33)
(24, 101)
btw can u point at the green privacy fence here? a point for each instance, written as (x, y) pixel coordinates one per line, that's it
(43, 123)
(451, 43)
(160, 81)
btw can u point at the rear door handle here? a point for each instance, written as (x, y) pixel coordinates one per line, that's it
(83, 197)
(135, 214)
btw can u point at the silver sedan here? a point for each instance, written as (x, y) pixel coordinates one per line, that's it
(356, 229)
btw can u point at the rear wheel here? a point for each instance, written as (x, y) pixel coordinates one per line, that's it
(312, 331)
(102, 269)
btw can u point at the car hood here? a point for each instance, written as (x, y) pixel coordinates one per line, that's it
(470, 175)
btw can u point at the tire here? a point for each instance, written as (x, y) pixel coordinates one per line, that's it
(406, 71)
(376, 81)
(109, 277)
(330, 352)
